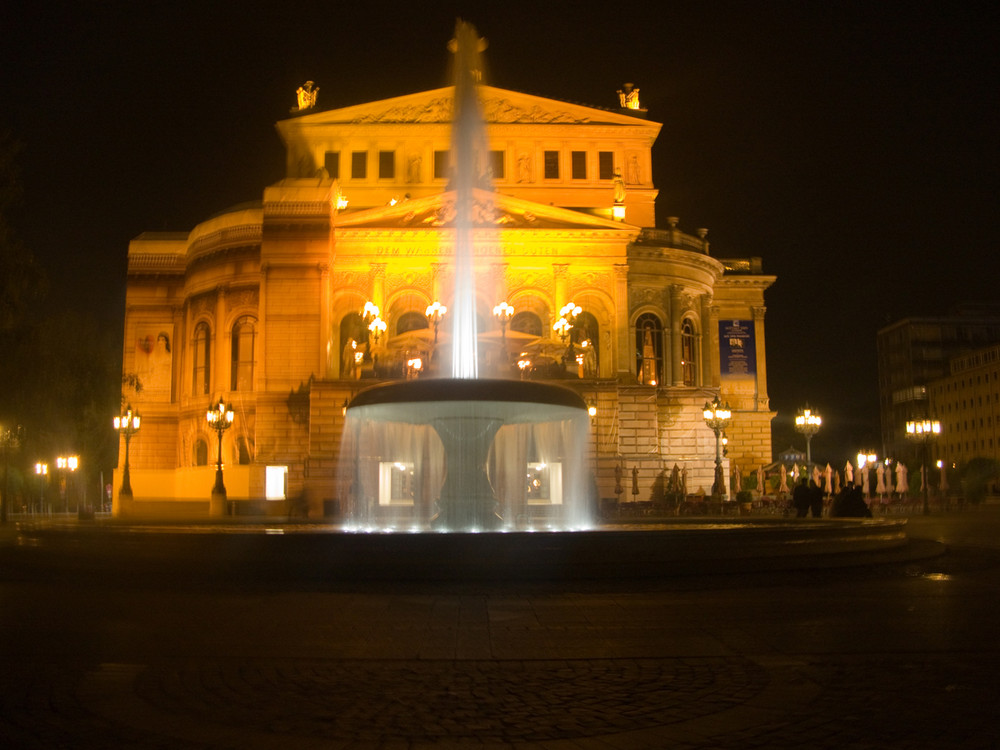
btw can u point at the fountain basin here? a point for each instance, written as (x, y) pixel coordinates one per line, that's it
(467, 455)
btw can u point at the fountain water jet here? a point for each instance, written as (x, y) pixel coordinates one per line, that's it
(464, 454)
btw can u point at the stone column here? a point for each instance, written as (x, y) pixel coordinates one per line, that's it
(760, 382)
(711, 342)
(622, 351)
(560, 273)
(676, 372)
(705, 369)
(222, 376)
(325, 334)
(378, 285)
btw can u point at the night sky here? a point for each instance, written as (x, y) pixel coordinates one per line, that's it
(853, 146)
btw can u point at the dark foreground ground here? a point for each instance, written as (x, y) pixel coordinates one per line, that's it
(901, 654)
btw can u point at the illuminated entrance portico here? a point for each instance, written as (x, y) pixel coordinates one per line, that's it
(262, 305)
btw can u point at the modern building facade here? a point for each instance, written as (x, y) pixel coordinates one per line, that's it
(914, 352)
(264, 305)
(967, 403)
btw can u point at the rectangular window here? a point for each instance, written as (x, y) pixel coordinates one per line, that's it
(332, 164)
(496, 164)
(579, 165)
(551, 165)
(387, 165)
(440, 165)
(359, 165)
(606, 165)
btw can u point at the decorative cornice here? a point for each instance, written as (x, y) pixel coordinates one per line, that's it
(495, 109)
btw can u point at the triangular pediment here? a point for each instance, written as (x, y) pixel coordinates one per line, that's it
(489, 210)
(499, 106)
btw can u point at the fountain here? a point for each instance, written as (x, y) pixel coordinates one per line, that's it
(464, 453)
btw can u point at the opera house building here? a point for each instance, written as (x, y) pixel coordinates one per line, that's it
(341, 275)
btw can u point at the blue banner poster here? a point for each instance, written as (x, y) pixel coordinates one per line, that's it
(737, 349)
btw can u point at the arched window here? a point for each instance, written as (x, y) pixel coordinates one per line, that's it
(411, 321)
(243, 448)
(244, 339)
(689, 353)
(526, 322)
(200, 452)
(202, 349)
(649, 349)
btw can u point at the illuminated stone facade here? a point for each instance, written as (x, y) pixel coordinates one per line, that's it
(259, 305)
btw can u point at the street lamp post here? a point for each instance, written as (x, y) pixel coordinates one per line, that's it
(42, 470)
(127, 424)
(563, 326)
(717, 417)
(434, 313)
(808, 424)
(923, 431)
(70, 464)
(10, 439)
(220, 419)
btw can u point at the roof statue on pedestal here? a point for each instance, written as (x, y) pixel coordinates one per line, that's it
(306, 96)
(628, 96)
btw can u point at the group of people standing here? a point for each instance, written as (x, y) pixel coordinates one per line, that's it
(807, 497)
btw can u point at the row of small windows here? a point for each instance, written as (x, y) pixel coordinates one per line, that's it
(244, 338)
(551, 163)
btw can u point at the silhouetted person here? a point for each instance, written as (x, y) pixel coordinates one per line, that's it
(800, 498)
(850, 503)
(815, 499)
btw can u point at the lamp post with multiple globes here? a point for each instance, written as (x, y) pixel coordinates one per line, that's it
(808, 423)
(434, 313)
(10, 439)
(923, 431)
(127, 424)
(220, 419)
(717, 417)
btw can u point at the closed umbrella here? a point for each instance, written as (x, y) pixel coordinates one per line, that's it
(817, 476)
(902, 485)
(783, 487)
(828, 476)
(880, 480)
(865, 481)
(888, 483)
(848, 473)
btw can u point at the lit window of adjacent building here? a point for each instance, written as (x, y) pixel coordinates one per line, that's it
(202, 360)
(331, 162)
(578, 165)
(359, 165)
(551, 165)
(440, 165)
(606, 165)
(496, 165)
(386, 165)
(244, 340)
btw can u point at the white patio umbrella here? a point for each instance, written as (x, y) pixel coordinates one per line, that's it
(783, 487)
(828, 477)
(817, 476)
(865, 481)
(902, 485)
(888, 483)
(848, 473)
(880, 480)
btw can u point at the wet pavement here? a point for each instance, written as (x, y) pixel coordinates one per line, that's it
(902, 654)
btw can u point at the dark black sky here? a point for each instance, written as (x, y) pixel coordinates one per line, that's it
(853, 146)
